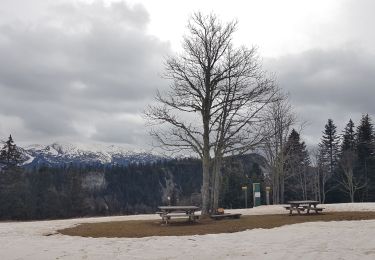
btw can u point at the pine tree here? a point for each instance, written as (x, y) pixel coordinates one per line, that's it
(365, 154)
(9, 154)
(365, 140)
(296, 167)
(348, 138)
(350, 182)
(330, 145)
(329, 151)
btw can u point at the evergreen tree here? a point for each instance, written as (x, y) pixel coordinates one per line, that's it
(9, 154)
(348, 138)
(365, 140)
(296, 167)
(350, 183)
(365, 154)
(329, 151)
(330, 145)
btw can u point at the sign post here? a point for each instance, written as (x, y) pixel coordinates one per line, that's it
(268, 195)
(244, 188)
(256, 194)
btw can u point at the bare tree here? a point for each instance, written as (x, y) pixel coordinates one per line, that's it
(325, 175)
(214, 105)
(279, 120)
(350, 183)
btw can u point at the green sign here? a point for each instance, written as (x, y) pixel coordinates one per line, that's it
(256, 194)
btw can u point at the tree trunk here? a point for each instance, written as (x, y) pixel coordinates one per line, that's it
(216, 182)
(351, 186)
(282, 178)
(206, 163)
(205, 185)
(323, 190)
(318, 183)
(282, 188)
(305, 184)
(351, 190)
(276, 185)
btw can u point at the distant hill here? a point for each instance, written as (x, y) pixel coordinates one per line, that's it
(88, 187)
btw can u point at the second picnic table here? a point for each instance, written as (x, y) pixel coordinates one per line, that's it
(301, 205)
(167, 212)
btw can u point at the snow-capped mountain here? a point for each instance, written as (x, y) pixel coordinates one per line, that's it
(63, 153)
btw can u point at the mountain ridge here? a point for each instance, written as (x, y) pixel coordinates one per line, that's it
(58, 153)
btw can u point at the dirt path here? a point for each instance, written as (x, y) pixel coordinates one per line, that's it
(146, 228)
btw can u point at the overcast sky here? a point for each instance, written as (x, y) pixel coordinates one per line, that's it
(83, 71)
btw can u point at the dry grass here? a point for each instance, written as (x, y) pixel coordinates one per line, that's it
(146, 228)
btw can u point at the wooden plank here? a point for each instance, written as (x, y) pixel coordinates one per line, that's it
(295, 208)
(182, 208)
(303, 202)
(222, 216)
(312, 208)
(178, 215)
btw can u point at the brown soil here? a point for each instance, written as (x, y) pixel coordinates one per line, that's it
(146, 228)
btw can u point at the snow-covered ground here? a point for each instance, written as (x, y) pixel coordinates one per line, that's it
(318, 240)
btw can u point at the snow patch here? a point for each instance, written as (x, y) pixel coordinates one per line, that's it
(29, 160)
(314, 240)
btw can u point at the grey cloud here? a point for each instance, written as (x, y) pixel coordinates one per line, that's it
(337, 84)
(337, 78)
(135, 17)
(79, 64)
(122, 131)
(81, 71)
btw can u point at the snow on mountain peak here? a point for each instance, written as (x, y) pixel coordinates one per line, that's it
(62, 152)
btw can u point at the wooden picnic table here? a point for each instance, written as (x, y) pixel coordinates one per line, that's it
(302, 205)
(167, 212)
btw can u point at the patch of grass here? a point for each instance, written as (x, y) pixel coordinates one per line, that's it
(146, 228)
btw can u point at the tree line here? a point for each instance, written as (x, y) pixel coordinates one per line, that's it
(77, 190)
(340, 169)
(91, 190)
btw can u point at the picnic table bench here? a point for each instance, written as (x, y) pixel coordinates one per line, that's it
(302, 205)
(167, 212)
